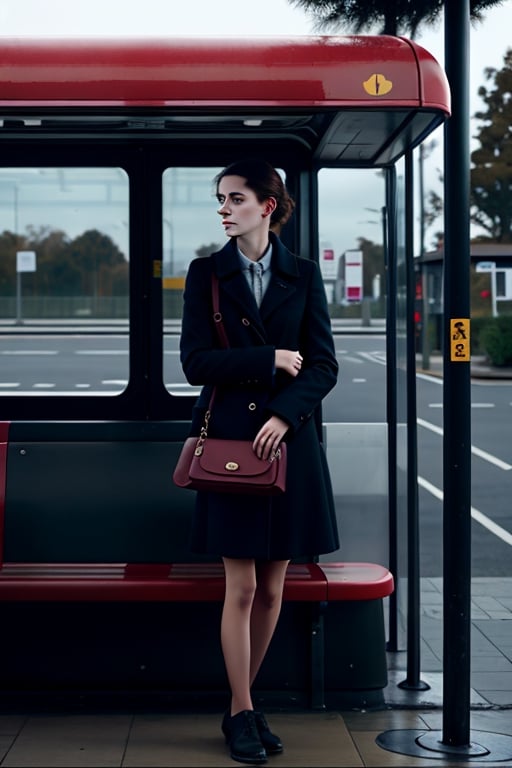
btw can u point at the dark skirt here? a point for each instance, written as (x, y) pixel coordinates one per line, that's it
(299, 523)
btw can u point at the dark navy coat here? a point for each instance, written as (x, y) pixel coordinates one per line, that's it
(293, 315)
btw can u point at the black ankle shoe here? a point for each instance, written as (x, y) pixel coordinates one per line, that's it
(242, 736)
(271, 742)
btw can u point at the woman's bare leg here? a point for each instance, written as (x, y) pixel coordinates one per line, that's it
(236, 629)
(266, 608)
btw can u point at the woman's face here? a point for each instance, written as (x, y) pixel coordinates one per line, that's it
(241, 211)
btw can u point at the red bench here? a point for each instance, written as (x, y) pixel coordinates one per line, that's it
(309, 582)
(337, 633)
(351, 647)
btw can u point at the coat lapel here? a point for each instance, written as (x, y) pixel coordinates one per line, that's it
(283, 283)
(281, 287)
(226, 265)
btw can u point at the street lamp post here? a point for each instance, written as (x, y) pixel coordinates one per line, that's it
(171, 246)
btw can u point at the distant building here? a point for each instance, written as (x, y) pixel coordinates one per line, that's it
(349, 280)
(485, 257)
(493, 258)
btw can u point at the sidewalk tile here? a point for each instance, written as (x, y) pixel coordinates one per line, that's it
(496, 681)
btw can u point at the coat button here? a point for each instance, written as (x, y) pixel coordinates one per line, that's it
(252, 406)
(245, 321)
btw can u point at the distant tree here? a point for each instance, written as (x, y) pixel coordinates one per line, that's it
(206, 250)
(10, 243)
(94, 255)
(491, 175)
(392, 18)
(91, 264)
(51, 277)
(434, 207)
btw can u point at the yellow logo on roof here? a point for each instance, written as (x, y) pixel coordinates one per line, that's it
(377, 85)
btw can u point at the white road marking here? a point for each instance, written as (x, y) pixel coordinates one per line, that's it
(116, 382)
(473, 405)
(432, 379)
(19, 352)
(101, 352)
(478, 516)
(373, 357)
(64, 392)
(474, 450)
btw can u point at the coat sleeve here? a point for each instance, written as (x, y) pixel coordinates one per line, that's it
(202, 358)
(296, 403)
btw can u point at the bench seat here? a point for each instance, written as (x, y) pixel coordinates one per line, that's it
(309, 582)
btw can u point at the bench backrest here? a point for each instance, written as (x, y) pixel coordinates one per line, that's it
(95, 492)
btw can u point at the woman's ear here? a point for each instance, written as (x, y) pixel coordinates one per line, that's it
(269, 206)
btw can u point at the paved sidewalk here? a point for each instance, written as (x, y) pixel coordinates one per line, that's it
(491, 647)
(480, 368)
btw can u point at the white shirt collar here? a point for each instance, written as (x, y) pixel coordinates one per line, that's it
(264, 261)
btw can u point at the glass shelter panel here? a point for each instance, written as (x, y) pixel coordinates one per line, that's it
(64, 264)
(351, 222)
(190, 228)
(351, 219)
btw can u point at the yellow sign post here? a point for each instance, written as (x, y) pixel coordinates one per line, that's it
(460, 336)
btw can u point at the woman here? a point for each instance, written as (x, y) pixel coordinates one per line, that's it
(279, 366)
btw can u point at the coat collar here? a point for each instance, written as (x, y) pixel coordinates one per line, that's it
(284, 262)
(226, 265)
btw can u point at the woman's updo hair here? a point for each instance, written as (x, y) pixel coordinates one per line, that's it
(265, 182)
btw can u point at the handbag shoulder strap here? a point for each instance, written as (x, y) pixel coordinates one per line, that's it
(217, 315)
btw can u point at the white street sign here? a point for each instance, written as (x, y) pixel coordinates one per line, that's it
(25, 261)
(485, 266)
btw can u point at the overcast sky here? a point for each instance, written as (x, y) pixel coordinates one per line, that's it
(489, 40)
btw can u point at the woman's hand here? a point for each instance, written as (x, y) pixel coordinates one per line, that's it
(289, 361)
(268, 438)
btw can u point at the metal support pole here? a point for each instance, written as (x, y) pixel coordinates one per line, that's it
(457, 380)
(19, 313)
(389, 231)
(412, 681)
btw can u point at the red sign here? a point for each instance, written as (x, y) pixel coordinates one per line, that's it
(353, 292)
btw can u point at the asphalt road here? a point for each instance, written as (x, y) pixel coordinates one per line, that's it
(74, 363)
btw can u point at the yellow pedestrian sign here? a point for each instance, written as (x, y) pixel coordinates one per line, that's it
(460, 340)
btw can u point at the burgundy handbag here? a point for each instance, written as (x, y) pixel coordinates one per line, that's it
(227, 466)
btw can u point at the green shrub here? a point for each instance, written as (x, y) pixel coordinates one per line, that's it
(496, 340)
(477, 326)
